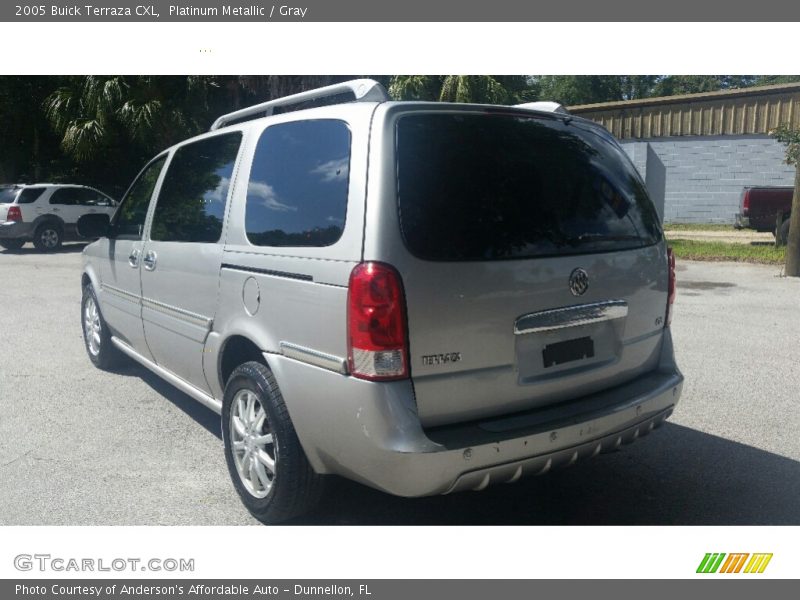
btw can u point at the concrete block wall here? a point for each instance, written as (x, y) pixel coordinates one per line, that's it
(704, 175)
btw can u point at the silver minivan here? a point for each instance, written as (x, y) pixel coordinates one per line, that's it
(422, 297)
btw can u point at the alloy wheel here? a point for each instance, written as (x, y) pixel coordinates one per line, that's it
(91, 325)
(254, 447)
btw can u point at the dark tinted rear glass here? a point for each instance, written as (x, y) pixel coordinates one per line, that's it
(7, 194)
(489, 187)
(30, 195)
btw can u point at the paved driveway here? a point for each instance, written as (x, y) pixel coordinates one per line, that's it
(80, 446)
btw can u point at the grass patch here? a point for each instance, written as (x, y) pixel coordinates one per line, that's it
(719, 251)
(697, 227)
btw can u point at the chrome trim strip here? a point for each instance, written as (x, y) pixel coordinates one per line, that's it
(178, 313)
(184, 386)
(120, 293)
(270, 272)
(314, 357)
(570, 316)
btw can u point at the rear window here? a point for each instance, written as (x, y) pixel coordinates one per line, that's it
(30, 195)
(297, 195)
(492, 187)
(8, 194)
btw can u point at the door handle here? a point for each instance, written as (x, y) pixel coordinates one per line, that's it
(56, 210)
(133, 258)
(149, 261)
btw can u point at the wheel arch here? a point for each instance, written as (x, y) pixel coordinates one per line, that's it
(236, 350)
(89, 276)
(45, 219)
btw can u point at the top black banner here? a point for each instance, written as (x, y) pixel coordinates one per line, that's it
(405, 11)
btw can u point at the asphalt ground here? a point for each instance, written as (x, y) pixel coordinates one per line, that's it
(79, 446)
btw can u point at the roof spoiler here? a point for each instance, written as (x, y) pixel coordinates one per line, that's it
(356, 90)
(544, 106)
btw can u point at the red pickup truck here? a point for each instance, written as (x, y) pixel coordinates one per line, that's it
(760, 206)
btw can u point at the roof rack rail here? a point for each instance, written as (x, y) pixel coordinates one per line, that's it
(356, 90)
(544, 106)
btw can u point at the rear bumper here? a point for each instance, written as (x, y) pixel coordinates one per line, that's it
(741, 222)
(14, 230)
(370, 432)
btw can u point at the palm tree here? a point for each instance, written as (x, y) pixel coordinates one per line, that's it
(94, 112)
(490, 89)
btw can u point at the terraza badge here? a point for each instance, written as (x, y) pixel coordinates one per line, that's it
(441, 359)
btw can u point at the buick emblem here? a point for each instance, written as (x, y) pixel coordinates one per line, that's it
(578, 282)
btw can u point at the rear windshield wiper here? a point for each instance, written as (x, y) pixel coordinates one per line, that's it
(603, 237)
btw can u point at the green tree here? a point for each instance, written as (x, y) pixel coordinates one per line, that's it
(589, 89)
(108, 126)
(791, 139)
(489, 89)
(673, 85)
(775, 79)
(28, 146)
(91, 113)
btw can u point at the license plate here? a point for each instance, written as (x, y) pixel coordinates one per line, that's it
(568, 351)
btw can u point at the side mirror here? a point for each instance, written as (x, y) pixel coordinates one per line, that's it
(94, 226)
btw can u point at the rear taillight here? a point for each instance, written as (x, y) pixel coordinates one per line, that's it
(746, 203)
(671, 285)
(14, 214)
(377, 347)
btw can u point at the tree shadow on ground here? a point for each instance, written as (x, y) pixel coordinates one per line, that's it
(201, 414)
(67, 248)
(674, 476)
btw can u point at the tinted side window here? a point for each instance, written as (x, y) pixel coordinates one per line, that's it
(297, 195)
(128, 221)
(90, 197)
(7, 194)
(65, 196)
(191, 203)
(29, 195)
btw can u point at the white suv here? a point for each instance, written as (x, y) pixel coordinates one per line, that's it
(46, 214)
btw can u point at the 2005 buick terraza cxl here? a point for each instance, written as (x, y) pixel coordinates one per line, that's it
(422, 297)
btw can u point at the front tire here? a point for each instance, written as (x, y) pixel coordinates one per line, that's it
(96, 337)
(266, 462)
(48, 237)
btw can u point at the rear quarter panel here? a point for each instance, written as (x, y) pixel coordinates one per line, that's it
(302, 291)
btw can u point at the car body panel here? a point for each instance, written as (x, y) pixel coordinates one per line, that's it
(764, 205)
(467, 310)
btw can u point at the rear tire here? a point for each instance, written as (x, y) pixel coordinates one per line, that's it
(266, 462)
(12, 244)
(96, 337)
(783, 233)
(48, 237)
